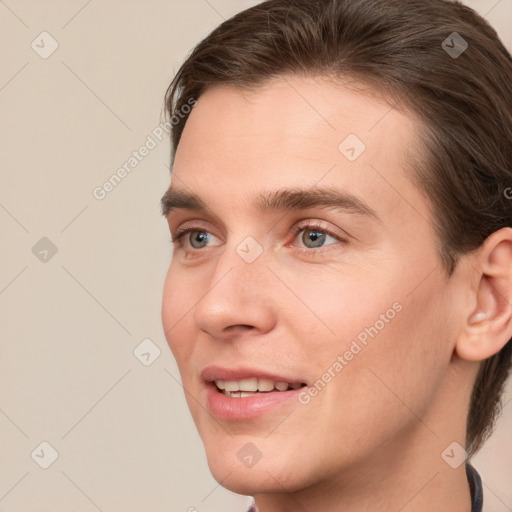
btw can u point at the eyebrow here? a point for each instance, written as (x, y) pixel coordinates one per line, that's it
(277, 200)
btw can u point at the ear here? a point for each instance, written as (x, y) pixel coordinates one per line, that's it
(488, 327)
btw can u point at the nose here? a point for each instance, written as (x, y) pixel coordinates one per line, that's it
(238, 299)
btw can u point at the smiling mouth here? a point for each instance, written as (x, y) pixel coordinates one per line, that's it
(254, 386)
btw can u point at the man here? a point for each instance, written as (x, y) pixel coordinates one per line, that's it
(339, 300)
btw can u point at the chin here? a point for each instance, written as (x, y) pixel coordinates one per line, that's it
(264, 476)
(248, 485)
(247, 482)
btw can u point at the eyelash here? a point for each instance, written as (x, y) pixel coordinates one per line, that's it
(313, 226)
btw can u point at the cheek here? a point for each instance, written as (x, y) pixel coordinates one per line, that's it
(380, 341)
(177, 306)
(398, 367)
(337, 307)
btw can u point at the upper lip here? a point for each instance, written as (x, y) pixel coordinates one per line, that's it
(212, 373)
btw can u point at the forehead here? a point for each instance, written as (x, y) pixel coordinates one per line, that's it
(300, 132)
(292, 111)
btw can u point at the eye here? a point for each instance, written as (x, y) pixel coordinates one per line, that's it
(313, 236)
(306, 236)
(198, 240)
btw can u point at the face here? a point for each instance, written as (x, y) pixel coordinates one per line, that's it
(306, 265)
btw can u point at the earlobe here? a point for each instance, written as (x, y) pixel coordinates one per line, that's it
(489, 325)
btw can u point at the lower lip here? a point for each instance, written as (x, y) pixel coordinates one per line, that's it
(236, 408)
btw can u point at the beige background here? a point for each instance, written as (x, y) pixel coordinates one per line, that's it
(69, 326)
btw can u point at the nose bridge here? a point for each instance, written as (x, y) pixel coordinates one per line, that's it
(244, 265)
(238, 293)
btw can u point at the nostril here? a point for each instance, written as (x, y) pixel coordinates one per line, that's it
(239, 327)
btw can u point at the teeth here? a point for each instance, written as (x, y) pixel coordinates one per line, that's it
(231, 385)
(249, 387)
(265, 385)
(240, 394)
(282, 386)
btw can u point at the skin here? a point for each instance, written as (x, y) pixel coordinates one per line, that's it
(372, 439)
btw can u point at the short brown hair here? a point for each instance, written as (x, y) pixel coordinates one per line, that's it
(402, 49)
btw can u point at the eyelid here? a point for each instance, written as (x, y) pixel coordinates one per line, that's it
(189, 225)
